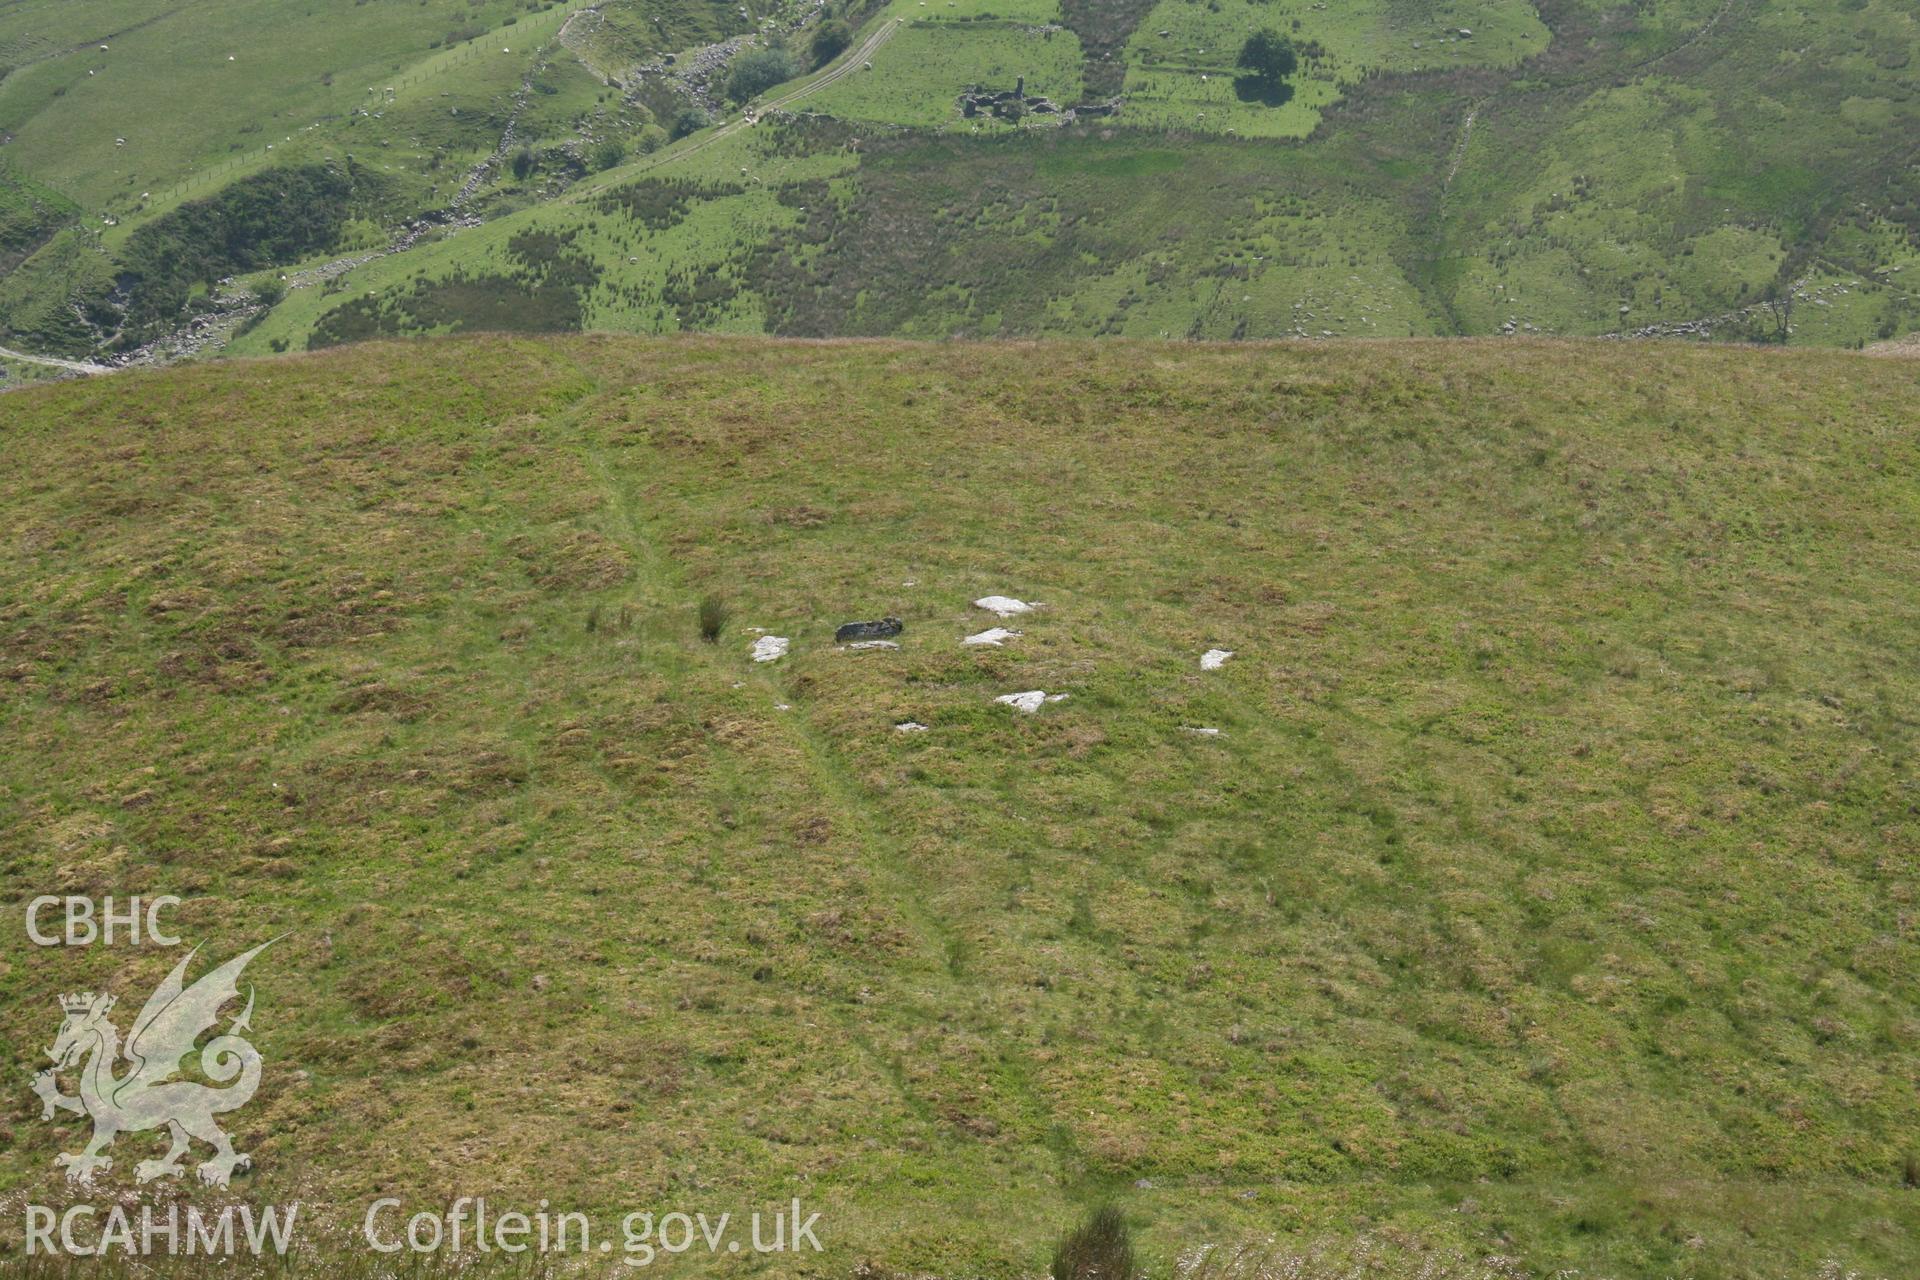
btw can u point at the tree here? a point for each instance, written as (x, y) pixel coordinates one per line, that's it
(522, 164)
(1268, 59)
(1776, 304)
(830, 40)
(1269, 55)
(607, 153)
(756, 71)
(690, 120)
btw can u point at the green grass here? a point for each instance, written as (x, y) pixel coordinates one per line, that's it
(918, 77)
(165, 85)
(1184, 78)
(1545, 894)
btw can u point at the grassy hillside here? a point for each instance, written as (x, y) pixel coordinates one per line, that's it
(1672, 168)
(118, 114)
(1546, 894)
(1660, 170)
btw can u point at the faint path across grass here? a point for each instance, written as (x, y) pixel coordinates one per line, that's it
(938, 986)
(663, 582)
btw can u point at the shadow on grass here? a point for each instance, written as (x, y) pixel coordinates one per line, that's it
(1268, 93)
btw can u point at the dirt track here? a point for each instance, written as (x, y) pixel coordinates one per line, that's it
(74, 366)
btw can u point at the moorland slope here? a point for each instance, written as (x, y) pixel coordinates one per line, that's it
(1546, 892)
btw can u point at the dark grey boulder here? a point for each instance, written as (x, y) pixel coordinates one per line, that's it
(885, 629)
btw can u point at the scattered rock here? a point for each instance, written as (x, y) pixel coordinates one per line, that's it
(885, 629)
(1005, 606)
(1203, 732)
(769, 648)
(699, 75)
(995, 636)
(1029, 702)
(909, 726)
(874, 644)
(541, 982)
(1214, 659)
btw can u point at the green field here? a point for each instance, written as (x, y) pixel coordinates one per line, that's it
(1542, 907)
(1180, 60)
(917, 79)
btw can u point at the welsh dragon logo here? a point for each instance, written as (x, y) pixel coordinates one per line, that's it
(148, 1096)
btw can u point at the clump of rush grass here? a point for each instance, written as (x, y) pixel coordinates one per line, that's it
(1101, 1248)
(714, 615)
